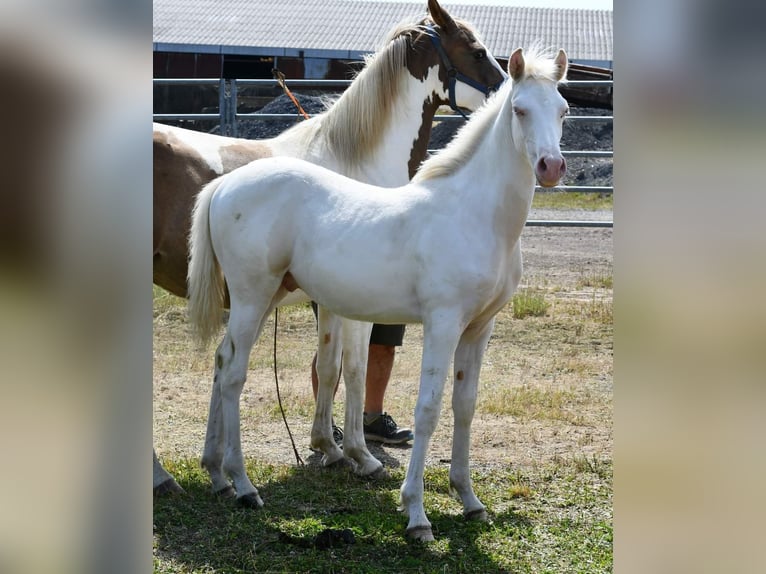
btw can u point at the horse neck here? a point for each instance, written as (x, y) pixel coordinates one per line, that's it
(403, 142)
(339, 138)
(497, 175)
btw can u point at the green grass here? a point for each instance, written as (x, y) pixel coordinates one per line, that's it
(530, 403)
(573, 200)
(555, 519)
(528, 303)
(597, 280)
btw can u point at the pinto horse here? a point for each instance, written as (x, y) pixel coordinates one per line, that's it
(442, 250)
(376, 132)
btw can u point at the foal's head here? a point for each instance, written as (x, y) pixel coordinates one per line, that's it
(539, 111)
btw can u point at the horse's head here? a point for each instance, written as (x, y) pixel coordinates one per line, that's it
(538, 111)
(468, 71)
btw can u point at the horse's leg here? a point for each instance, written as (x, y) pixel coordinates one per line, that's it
(440, 337)
(245, 324)
(356, 346)
(468, 357)
(163, 482)
(328, 370)
(212, 456)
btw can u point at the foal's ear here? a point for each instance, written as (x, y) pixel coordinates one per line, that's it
(516, 65)
(561, 65)
(441, 17)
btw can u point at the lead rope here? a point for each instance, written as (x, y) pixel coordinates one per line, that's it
(280, 78)
(279, 398)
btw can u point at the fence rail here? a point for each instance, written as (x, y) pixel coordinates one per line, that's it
(227, 118)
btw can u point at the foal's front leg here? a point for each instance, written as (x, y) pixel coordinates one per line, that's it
(468, 358)
(439, 343)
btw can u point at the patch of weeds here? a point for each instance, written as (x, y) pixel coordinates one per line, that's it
(592, 464)
(528, 402)
(597, 280)
(599, 310)
(528, 303)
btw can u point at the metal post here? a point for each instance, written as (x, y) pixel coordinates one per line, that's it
(222, 106)
(233, 107)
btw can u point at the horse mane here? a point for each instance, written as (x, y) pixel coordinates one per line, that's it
(538, 65)
(353, 122)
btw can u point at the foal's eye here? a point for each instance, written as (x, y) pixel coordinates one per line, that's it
(480, 55)
(519, 111)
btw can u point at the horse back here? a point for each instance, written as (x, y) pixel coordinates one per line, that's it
(184, 162)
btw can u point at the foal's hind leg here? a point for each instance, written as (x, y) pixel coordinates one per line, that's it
(212, 457)
(356, 345)
(468, 357)
(328, 372)
(163, 482)
(245, 324)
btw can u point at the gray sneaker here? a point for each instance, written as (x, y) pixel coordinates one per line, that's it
(337, 436)
(384, 429)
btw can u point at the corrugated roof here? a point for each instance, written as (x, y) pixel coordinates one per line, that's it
(333, 28)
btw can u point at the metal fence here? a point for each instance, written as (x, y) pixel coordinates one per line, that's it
(228, 117)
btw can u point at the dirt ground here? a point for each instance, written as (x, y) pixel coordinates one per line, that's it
(551, 358)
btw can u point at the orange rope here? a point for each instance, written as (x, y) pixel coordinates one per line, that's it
(280, 78)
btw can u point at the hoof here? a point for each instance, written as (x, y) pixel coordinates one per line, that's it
(480, 514)
(251, 500)
(169, 487)
(420, 533)
(341, 464)
(380, 474)
(226, 492)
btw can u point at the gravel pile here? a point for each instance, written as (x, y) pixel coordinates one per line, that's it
(263, 129)
(577, 135)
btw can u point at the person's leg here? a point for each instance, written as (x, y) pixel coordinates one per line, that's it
(379, 365)
(379, 425)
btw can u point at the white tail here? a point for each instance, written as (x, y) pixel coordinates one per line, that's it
(205, 280)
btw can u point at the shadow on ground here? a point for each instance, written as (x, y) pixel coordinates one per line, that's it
(303, 505)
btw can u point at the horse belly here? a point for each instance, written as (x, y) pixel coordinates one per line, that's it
(365, 292)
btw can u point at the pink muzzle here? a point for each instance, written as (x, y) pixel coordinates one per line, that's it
(550, 169)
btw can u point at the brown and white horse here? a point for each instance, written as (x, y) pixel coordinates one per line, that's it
(376, 132)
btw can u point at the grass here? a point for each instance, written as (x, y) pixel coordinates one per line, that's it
(553, 519)
(527, 402)
(528, 303)
(596, 279)
(541, 451)
(573, 200)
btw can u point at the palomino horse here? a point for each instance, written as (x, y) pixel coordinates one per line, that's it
(376, 132)
(442, 251)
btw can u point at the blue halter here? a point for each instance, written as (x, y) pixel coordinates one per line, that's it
(455, 75)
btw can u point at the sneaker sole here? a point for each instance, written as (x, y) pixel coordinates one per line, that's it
(377, 438)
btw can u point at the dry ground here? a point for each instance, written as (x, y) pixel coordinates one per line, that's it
(545, 392)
